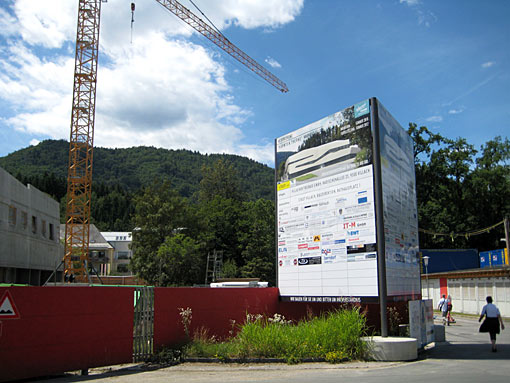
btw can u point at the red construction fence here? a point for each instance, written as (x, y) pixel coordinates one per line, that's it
(66, 328)
(60, 329)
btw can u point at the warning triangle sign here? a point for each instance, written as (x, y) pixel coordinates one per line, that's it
(8, 309)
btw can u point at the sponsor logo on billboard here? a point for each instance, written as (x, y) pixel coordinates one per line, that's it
(317, 238)
(309, 261)
(349, 225)
(283, 185)
(361, 109)
(282, 249)
(330, 259)
(303, 246)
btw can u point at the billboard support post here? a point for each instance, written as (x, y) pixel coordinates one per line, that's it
(507, 237)
(380, 238)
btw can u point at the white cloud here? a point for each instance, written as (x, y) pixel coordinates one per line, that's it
(272, 62)
(251, 14)
(34, 142)
(456, 111)
(261, 153)
(488, 64)
(434, 119)
(47, 23)
(426, 18)
(410, 2)
(157, 91)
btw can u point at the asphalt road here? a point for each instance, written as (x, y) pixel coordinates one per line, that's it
(465, 357)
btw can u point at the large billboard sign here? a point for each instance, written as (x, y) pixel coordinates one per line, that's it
(326, 213)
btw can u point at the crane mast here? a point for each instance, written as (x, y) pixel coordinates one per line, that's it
(81, 142)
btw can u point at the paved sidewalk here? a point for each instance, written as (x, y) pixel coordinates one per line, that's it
(465, 357)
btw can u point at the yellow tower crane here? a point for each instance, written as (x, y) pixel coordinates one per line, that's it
(81, 142)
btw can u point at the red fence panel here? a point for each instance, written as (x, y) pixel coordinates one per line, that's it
(212, 308)
(65, 328)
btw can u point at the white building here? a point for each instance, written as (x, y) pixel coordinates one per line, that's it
(339, 152)
(469, 288)
(100, 251)
(29, 233)
(122, 253)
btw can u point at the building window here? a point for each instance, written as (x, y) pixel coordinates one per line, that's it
(52, 232)
(34, 224)
(24, 219)
(123, 255)
(123, 268)
(43, 228)
(12, 215)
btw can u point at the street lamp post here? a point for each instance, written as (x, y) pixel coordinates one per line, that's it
(426, 263)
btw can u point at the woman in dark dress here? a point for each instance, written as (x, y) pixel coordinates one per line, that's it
(491, 322)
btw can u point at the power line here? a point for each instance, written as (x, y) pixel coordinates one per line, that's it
(466, 234)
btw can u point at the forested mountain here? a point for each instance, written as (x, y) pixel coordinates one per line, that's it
(133, 168)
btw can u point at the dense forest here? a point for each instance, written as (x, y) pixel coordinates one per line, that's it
(121, 173)
(186, 205)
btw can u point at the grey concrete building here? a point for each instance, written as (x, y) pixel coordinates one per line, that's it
(30, 249)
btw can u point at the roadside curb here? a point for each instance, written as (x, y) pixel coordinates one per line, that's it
(255, 360)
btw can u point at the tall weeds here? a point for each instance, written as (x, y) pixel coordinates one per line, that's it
(334, 337)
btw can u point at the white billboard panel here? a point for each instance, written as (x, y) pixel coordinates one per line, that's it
(400, 209)
(325, 209)
(326, 221)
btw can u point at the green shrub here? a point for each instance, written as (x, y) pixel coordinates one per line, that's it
(334, 337)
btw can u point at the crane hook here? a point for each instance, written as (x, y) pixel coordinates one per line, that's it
(132, 20)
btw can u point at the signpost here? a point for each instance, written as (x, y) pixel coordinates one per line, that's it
(347, 226)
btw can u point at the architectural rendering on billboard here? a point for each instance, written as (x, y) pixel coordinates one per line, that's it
(326, 218)
(325, 209)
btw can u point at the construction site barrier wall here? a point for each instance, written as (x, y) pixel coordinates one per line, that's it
(64, 329)
(213, 309)
(68, 328)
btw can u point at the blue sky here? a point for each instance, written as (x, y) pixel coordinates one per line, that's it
(442, 64)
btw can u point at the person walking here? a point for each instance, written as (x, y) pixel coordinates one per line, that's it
(492, 321)
(449, 305)
(443, 306)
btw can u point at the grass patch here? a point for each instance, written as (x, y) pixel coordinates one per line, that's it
(334, 337)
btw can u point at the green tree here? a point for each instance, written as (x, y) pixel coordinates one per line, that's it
(220, 217)
(159, 213)
(258, 240)
(460, 189)
(220, 180)
(180, 262)
(488, 187)
(220, 200)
